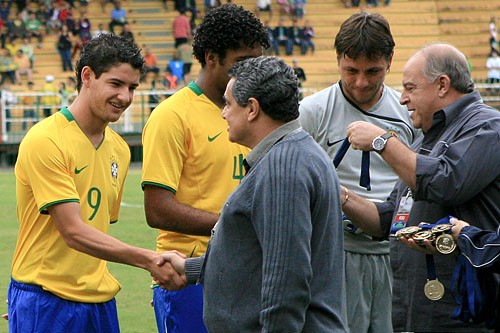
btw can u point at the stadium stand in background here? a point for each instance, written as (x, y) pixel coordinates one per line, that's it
(414, 23)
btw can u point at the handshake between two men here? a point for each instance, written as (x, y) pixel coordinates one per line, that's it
(176, 278)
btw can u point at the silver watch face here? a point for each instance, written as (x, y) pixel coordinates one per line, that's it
(378, 144)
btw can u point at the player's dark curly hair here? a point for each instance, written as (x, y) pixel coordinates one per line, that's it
(228, 27)
(105, 51)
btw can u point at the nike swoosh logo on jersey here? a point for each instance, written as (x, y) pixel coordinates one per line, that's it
(329, 144)
(77, 171)
(212, 138)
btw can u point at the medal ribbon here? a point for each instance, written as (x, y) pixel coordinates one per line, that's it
(474, 294)
(364, 179)
(431, 268)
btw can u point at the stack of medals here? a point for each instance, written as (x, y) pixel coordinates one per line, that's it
(439, 236)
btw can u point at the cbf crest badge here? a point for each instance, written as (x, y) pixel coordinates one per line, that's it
(114, 170)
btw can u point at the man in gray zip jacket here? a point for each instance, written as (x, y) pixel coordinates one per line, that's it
(275, 260)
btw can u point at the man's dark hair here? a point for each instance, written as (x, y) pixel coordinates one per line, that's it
(228, 27)
(105, 51)
(271, 82)
(365, 34)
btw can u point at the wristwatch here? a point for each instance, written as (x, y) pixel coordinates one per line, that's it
(378, 144)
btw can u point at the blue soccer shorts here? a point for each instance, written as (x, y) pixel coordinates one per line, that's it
(179, 311)
(32, 309)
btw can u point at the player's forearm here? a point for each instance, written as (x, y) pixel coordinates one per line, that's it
(164, 212)
(363, 213)
(402, 160)
(183, 219)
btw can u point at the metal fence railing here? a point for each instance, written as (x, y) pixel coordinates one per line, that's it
(17, 117)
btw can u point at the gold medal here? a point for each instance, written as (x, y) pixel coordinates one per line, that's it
(445, 244)
(440, 228)
(407, 232)
(420, 236)
(434, 290)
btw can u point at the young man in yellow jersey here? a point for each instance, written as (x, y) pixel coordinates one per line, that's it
(190, 167)
(69, 182)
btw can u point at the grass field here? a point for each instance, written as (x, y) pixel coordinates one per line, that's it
(134, 310)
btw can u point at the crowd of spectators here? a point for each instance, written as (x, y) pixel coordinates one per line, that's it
(369, 3)
(290, 36)
(25, 24)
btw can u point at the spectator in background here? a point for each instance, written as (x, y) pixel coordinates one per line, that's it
(299, 9)
(285, 7)
(301, 75)
(493, 66)
(16, 27)
(84, 28)
(181, 28)
(211, 4)
(190, 6)
(100, 30)
(64, 46)
(3, 34)
(282, 37)
(295, 34)
(63, 94)
(13, 46)
(43, 14)
(28, 50)
(127, 32)
(50, 100)
(71, 88)
(355, 3)
(169, 79)
(198, 17)
(21, 5)
(264, 6)
(154, 97)
(83, 5)
(150, 64)
(307, 35)
(23, 66)
(10, 100)
(118, 17)
(270, 35)
(176, 66)
(35, 29)
(77, 47)
(29, 103)
(185, 51)
(493, 33)
(53, 23)
(66, 16)
(7, 67)
(104, 3)
(5, 11)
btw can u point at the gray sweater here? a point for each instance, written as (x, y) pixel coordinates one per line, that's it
(276, 262)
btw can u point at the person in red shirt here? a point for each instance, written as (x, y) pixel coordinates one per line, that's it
(181, 28)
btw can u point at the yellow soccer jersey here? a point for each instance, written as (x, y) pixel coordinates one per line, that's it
(187, 151)
(57, 163)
